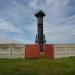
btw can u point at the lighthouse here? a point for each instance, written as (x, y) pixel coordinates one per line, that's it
(40, 37)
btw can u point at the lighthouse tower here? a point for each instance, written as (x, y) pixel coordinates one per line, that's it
(40, 37)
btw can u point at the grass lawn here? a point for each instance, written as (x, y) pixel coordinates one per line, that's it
(42, 66)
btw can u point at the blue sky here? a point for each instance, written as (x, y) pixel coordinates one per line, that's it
(18, 23)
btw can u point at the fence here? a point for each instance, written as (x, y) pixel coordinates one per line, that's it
(12, 51)
(18, 51)
(64, 50)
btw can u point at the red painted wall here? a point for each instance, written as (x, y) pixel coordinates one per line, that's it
(49, 51)
(32, 51)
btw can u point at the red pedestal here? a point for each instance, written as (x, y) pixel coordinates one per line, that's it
(32, 51)
(49, 51)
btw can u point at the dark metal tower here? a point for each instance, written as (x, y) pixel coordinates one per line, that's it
(40, 37)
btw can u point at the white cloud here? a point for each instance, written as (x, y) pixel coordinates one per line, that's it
(4, 38)
(33, 3)
(58, 26)
(56, 33)
(7, 26)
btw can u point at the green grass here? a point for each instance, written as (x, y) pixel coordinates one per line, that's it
(42, 66)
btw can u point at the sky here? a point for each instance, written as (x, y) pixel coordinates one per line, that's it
(19, 25)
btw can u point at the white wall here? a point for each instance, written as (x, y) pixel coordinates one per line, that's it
(64, 50)
(13, 51)
(18, 50)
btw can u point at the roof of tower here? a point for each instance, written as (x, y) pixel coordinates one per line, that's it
(40, 14)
